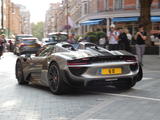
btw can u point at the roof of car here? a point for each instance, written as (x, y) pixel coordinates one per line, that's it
(24, 35)
(57, 33)
(86, 43)
(30, 38)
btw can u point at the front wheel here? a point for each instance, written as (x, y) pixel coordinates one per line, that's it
(55, 79)
(19, 74)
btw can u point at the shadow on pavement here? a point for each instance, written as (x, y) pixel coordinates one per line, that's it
(79, 91)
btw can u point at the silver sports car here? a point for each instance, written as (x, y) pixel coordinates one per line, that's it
(61, 67)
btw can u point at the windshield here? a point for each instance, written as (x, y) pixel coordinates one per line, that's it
(57, 37)
(29, 41)
(23, 36)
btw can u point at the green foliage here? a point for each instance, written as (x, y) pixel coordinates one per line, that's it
(91, 33)
(101, 34)
(37, 30)
(94, 36)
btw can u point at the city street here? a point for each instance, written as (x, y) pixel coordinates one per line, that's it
(33, 102)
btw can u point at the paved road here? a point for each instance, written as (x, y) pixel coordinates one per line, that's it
(38, 103)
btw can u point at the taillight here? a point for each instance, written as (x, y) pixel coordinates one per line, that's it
(77, 63)
(21, 44)
(130, 59)
(83, 61)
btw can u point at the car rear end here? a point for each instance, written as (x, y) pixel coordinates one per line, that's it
(102, 69)
(17, 41)
(29, 45)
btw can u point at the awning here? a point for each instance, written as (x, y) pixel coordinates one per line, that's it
(134, 19)
(155, 19)
(92, 22)
(125, 19)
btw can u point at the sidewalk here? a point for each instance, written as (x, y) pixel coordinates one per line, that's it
(151, 63)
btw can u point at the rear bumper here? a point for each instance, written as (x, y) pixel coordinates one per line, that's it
(85, 80)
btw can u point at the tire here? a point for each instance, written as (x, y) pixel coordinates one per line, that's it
(55, 79)
(139, 76)
(19, 74)
(125, 84)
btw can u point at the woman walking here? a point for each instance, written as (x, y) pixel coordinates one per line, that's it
(140, 38)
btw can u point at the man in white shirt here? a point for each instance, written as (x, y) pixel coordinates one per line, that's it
(113, 38)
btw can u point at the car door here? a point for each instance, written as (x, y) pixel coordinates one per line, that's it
(36, 64)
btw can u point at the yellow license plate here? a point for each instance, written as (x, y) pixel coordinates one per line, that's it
(111, 71)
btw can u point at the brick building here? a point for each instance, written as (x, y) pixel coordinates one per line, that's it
(93, 15)
(123, 13)
(16, 20)
(54, 20)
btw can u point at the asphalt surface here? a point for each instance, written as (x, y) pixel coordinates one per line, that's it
(33, 102)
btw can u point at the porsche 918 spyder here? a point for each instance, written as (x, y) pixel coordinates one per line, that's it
(61, 66)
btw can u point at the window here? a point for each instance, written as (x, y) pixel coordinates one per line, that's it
(46, 51)
(118, 4)
(137, 4)
(158, 3)
(106, 4)
(85, 8)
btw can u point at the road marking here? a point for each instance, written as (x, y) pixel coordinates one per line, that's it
(98, 119)
(150, 71)
(147, 78)
(132, 96)
(89, 113)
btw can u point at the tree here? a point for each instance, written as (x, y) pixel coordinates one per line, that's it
(145, 17)
(37, 30)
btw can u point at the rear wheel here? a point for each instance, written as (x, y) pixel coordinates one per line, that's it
(56, 82)
(19, 74)
(139, 76)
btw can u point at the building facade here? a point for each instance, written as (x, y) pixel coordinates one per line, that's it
(54, 18)
(123, 13)
(16, 20)
(25, 19)
(95, 15)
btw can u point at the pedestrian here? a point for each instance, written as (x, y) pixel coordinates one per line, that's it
(3, 41)
(10, 45)
(124, 43)
(129, 36)
(113, 38)
(140, 38)
(1, 45)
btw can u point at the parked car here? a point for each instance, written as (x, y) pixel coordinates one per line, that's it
(17, 40)
(57, 36)
(27, 45)
(61, 67)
